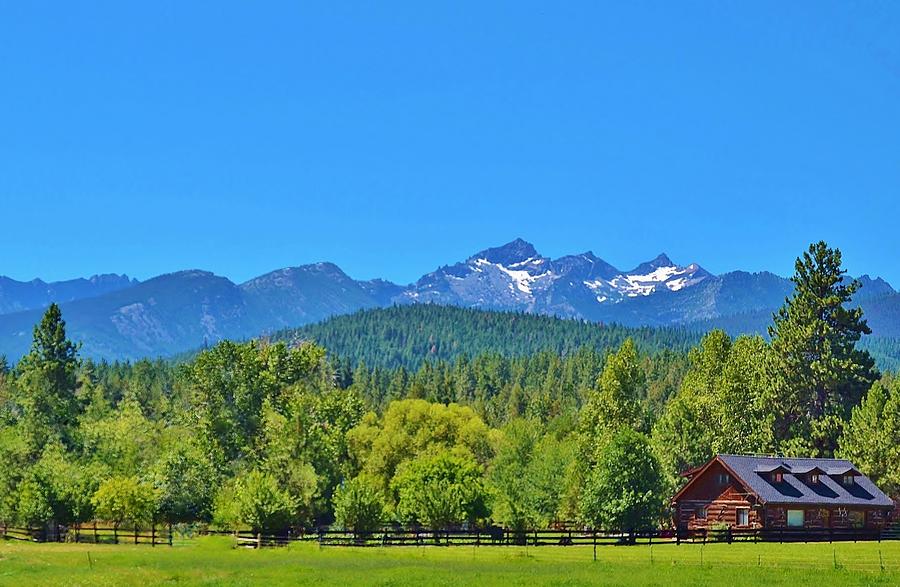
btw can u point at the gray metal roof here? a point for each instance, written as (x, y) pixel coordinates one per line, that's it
(795, 490)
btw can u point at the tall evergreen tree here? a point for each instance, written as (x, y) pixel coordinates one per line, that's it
(817, 372)
(48, 382)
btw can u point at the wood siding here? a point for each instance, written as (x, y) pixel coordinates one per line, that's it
(720, 500)
(827, 517)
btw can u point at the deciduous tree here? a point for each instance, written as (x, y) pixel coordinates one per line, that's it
(440, 489)
(872, 438)
(624, 490)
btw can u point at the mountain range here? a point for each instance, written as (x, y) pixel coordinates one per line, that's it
(116, 317)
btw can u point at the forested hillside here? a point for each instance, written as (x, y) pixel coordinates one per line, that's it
(407, 335)
(267, 435)
(885, 351)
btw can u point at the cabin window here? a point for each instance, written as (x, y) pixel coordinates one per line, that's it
(848, 479)
(857, 519)
(742, 517)
(724, 478)
(700, 513)
(777, 477)
(795, 518)
(814, 478)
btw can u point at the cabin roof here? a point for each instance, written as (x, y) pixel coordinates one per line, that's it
(809, 470)
(795, 489)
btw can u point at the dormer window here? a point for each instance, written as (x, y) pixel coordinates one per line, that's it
(774, 472)
(847, 479)
(814, 478)
(724, 478)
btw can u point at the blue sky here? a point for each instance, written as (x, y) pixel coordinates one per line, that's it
(390, 138)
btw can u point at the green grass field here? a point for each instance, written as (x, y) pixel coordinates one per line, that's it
(214, 561)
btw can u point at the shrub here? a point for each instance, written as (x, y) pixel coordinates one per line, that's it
(358, 506)
(125, 499)
(262, 504)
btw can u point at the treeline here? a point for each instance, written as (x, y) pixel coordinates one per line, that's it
(405, 336)
(542, 386)
(266, 435)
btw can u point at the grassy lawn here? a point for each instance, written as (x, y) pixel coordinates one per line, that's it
(214, 561)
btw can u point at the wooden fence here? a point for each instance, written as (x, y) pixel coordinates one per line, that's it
(399, 536)
(155, 535)
(413, 536)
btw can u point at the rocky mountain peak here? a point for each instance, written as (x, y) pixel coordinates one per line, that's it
(513, 252)
(661, 260)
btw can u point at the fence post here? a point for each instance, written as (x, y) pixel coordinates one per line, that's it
(116, 532)
(170, 533)
(594, 532)
(96, 538)
(135, 534)
(153, 534)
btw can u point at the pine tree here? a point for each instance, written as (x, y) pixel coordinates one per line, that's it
(816, 370)
(50, 406)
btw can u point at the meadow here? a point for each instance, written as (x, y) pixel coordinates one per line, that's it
(215, 561)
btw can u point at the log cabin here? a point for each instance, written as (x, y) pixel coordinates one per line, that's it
(741, 491)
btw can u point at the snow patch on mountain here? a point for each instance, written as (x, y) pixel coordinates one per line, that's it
(631, 285)
(522, 279)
